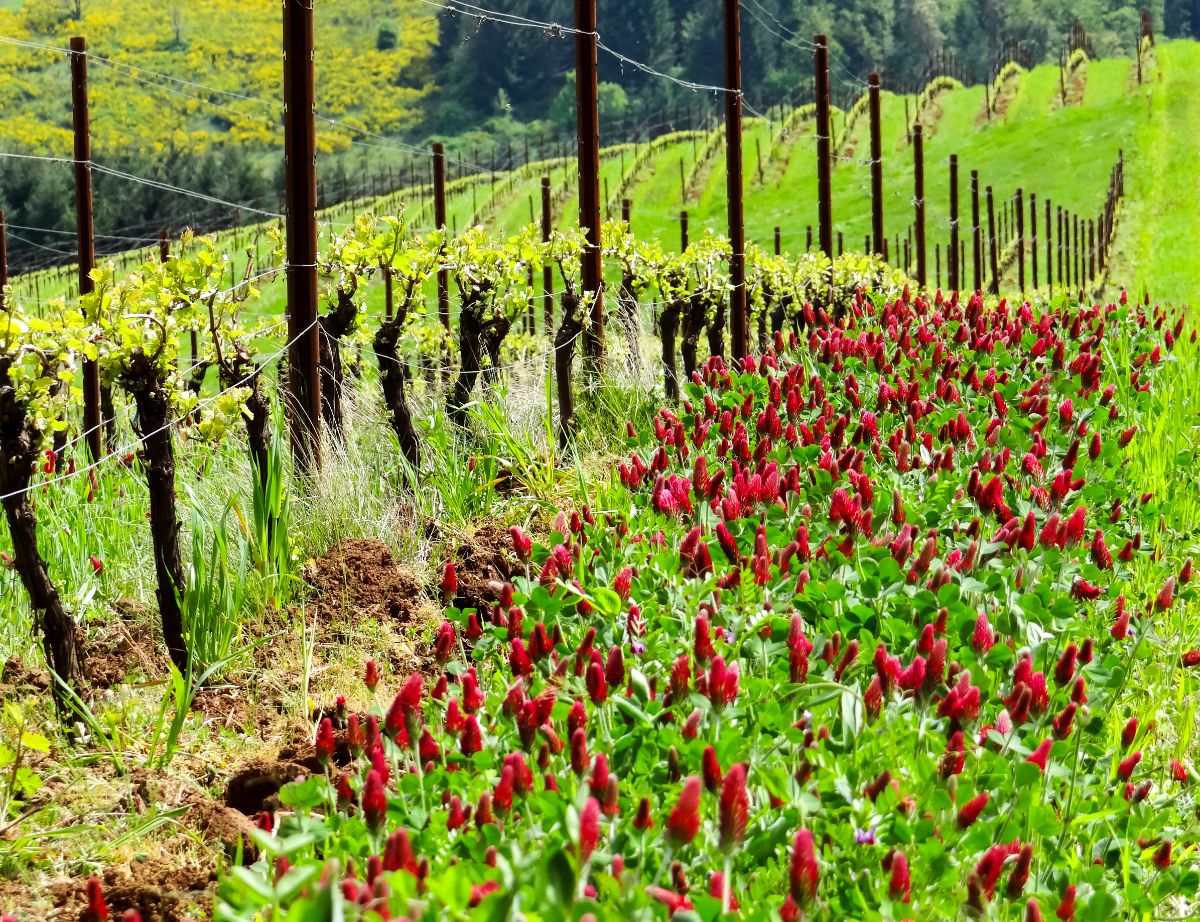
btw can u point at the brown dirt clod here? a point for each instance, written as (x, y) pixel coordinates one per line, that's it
(128, 644)
(157, 890)
(16, 676)
(482, 562)
(361, 578)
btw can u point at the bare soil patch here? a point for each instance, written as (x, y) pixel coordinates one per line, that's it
(128, 644)
(158, 890)
(484, 562)
(16, 679)
(362, 579)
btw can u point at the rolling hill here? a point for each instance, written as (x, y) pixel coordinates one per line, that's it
(1032, 141)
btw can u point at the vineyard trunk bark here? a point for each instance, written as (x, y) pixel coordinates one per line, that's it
(693, 326)
(391, 379)
(569, 330)
(243, 373)
(716, 333)
(154, 428)
(17, 460)
(470, 346)
(493, 338)
(668, 327)
(333, 326)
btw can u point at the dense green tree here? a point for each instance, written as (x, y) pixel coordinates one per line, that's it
(683, 38)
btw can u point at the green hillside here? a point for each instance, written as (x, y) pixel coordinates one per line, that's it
(1061, 152)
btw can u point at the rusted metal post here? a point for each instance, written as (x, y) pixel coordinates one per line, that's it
(824, 166)
(952, 253)
(1049, 250)
(1077, 241)
(93, 421)
(876, 164)
(994, 288)
(1091, 249)
(588, 123)
(300, 157)
(439, 221)
(1060, 246)
(1070, 228)
(738, 314)
(976, 236)
(1033, 238)
(548, 269)
(918, 143)
(1019, 214)
(683, 231)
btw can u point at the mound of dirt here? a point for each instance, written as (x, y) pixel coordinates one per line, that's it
(362, 579)
(16, 678)
(157, 890)
(482, 563)
(129, 643)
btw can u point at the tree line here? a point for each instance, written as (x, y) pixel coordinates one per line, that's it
(490, 70)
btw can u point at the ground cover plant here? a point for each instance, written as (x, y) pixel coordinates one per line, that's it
(855, 631)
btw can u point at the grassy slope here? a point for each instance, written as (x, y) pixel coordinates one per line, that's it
(1064, 154)
(1160, 222)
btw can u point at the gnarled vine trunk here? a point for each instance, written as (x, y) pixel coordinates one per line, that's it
(494, 332)
(196, 376)
(242, 372)
(334, 326)
(470, 350)
(393, 381)
(565, 338)
(17, 463)
(668, 327)
(779, 308)
(475, 338)
(693, 326)
(108, 412)
(145, 383)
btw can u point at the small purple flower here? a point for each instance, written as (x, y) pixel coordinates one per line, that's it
(638, 648)
(864, 836)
